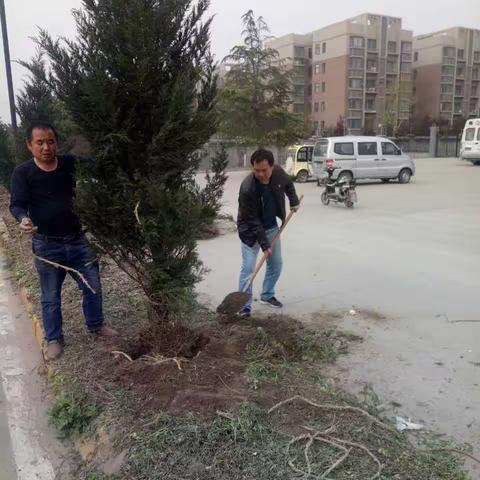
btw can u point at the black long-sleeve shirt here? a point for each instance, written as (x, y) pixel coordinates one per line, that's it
(46, 197)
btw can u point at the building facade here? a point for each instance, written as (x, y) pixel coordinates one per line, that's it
(361, 69)
(447, 74)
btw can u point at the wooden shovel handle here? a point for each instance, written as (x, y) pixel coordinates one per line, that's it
(272, 244)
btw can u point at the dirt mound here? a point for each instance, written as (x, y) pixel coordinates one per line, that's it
(203, 371)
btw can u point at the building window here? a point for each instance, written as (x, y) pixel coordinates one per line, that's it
(299, 52)
(370, 104)
(299, 90)
(317, 49)
(372, 44)
(310, 52)
(406, 67)
(446, 88)
(353, 123)
(322, 124)
(317, 68)
(406, 47)
(317, 88)
(323, 87)
(372, 20)
(473, 106)
(461, 71)
(322, 107)
(324, 68)
(445, 106)
(460, 54)
(458, 107)
(298, 108)
(356, 42)
(371, 84)
(448, 51)
(474, 91)
(448, 70)
(476, 73)
(391, 67)
(392, 47)
(315, 107)
(324, 47)
(476, 56)
(309, 89)
(415, 57)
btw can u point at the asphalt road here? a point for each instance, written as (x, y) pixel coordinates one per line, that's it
(410, 253)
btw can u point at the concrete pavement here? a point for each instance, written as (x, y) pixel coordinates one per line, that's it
(409, 252)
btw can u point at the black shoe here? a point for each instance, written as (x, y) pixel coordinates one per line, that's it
(272, 302)
(244, 312)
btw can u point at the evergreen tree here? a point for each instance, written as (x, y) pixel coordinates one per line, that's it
(254, 103)
(139, 82)
(7, 159)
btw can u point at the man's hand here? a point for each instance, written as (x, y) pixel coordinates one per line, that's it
(295, 208)
(268, 251)
(27, 226)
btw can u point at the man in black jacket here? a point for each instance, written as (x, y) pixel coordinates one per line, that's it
(260, 201)
(42, 196)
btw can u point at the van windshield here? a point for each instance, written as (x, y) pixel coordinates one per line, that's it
(321, 149)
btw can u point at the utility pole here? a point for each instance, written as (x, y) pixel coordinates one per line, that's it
(8, 66)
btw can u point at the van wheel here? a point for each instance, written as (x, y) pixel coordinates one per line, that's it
(476, 163)
(404, 176)
(345, 176)
(349, 204)
(325, 199)
(302, 176)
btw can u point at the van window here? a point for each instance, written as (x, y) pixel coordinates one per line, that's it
(367, 148)
(469, 134)
(302, 155)
(478, 134)
(390, 149)
(321, 149)
(343, 148)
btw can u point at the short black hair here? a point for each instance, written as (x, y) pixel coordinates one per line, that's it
(40, 126)
(260, 155)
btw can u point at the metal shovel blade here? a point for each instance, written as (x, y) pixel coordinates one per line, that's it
(233, 303)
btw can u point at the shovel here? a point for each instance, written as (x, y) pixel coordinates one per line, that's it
(234, 301)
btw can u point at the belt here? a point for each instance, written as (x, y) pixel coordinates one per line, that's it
(51, 238)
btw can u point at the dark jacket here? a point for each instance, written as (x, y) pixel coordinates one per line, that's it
(249, 223)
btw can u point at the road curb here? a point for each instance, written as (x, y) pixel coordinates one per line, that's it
(25, 297)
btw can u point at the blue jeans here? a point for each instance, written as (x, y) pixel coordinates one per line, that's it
(75, 254)
(272, 274)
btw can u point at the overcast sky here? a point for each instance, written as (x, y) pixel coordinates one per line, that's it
(298, 16)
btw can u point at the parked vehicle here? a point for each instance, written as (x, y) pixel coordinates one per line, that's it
(470, 147)
(338, 191)
(299, 162)
(361, 158)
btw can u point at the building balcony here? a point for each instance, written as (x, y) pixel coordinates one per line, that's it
(354, 114)
(370, 110)
(373, 69)
(357, 52)
(449, 60)
(392, 72)
(371, 90)
(355, 73)
(458, 112)
(446, 79)
(406, 57)
(355, 93)
(446, 97)
(393, 53)
(459, 94)
(461, 76)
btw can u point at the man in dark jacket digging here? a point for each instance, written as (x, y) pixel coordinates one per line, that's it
(42, 196)
(260, 201)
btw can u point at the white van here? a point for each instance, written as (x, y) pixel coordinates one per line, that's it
(470, 148)
(362, 158)
(299, 162)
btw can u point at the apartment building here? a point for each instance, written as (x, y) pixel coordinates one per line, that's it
(360, 68)
(296, 52)
(447, 74)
